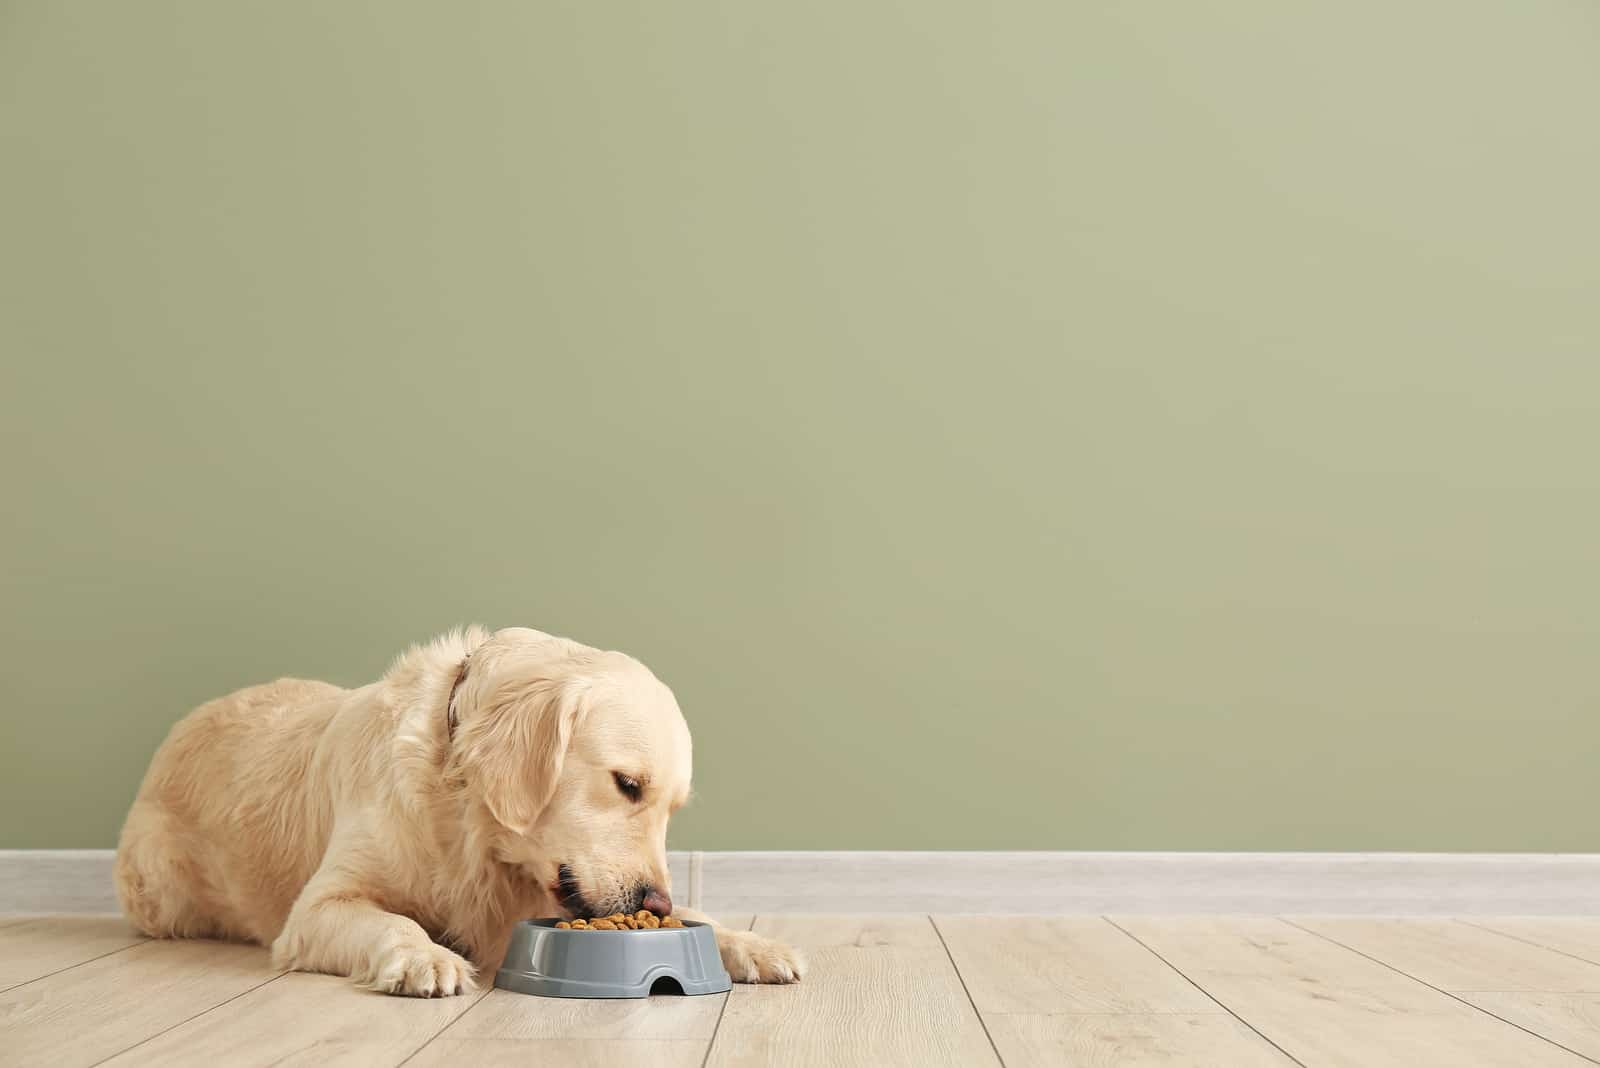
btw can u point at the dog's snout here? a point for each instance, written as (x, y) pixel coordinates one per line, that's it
(657, 901)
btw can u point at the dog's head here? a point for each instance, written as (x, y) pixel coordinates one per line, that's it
(579, 757)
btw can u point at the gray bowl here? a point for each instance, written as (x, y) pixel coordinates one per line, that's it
(544, 959)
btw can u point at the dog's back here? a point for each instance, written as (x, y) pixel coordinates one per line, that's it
(227, 825)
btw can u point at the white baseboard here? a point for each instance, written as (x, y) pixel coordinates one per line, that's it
(56, 880)
(1154, 883)
(1400, 884)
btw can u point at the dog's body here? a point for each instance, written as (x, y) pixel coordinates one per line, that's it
(484, 779)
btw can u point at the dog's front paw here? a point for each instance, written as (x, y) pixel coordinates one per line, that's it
(750, 958)
(418, 971)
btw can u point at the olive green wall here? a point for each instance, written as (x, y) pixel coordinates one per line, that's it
(1020, 425)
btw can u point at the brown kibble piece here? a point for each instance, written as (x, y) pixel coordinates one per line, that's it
(563, 926)
(672, 921)
(651, 922)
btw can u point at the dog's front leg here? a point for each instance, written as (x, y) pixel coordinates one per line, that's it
(749, 957)
(334, 928)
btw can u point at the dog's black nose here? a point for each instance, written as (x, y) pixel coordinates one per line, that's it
(657, 901)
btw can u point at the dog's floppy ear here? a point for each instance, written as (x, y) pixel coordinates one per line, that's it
(512, 745)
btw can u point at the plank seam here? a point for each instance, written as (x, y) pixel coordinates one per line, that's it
(1528, 942)
(454, 1020)
(1400, 971)
(1214, 999)
(723, 1011)
(196, 1016)
(81, 963)
(963, 980)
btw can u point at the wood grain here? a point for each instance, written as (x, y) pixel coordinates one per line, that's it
(1328, 1006)
(302, 1019)
(586, 1053)
(86, 1014)
(1077, 990)
(1572, 1020)
(1131, 1041)
(1054, 964)
(1456, 956)
(504, 1015)
(36, 946)
(1544, 991)
(1579, 936)
(881, 991)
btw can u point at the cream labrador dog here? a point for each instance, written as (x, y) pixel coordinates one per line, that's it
(395, 833)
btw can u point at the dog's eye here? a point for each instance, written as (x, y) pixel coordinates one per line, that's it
(627, 784)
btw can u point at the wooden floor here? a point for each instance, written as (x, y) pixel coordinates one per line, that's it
(883, 990)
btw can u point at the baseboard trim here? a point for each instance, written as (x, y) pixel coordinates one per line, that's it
(1400, 884)
(1155, 883)
(57, 880)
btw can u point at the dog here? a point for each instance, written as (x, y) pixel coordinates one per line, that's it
(397, 832)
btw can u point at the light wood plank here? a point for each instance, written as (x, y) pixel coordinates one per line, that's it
(1546, 992)
(1131, 1041)
(586, 1053)
(881, 991)
(1078, 990)
(1053, 964)
(1573, 1020)
(85, 1014)
(35, 946)
(302, 1019)
(1456, 956)
(506, 1016)
(1579, 936)
(1328, 1006)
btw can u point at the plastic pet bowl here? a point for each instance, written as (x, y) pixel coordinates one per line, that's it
(546, 960)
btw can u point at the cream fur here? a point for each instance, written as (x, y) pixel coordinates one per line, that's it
(349, 831)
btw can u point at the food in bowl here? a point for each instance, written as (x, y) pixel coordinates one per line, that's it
(620, 921)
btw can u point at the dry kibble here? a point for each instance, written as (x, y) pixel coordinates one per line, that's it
(643, 920)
